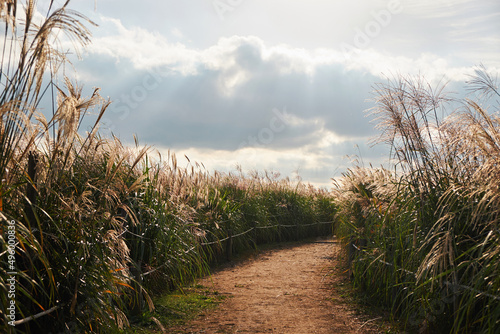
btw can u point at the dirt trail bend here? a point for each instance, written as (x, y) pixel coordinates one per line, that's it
(286, 290)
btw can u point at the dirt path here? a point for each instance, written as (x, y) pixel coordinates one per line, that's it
(288, 290)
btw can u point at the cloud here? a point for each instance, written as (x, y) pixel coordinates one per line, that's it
(177, 33)
(219, 104)
(316, 166)
(220, 96)
(234, 57)
(143, 48)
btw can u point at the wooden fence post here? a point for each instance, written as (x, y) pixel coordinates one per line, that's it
(297, 234)
(229, 245)
(254, 234)
(280, 231)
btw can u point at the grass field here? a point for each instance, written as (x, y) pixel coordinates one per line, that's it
(423, 238)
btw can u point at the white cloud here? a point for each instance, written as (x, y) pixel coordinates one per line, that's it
(146, 50)
(435, 8)
(433, 67)
(143, 48)
(218, 96)
(177, 33)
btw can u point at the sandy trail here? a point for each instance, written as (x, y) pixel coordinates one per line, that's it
(289, 290)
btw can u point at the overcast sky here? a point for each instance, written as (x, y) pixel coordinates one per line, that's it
(276, 84)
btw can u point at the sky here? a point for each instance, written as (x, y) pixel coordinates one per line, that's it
(273, 85)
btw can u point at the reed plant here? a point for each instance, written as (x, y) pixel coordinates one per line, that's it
(101, 228)
(428, 231)
(68, 254)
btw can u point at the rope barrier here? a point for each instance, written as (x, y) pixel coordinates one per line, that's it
(214, 242)
(33, 317)
(242, 233)
(465, 287)
(36, 316)
(326, 222)
(474, 290)
(259, 227)
(289, 225)
(266, 227)
(384, 262)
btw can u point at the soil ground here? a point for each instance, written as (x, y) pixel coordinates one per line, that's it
(291, 289)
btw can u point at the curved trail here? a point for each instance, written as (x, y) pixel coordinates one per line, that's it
(286, 290)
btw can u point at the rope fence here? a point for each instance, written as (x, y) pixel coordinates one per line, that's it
(259, 228)
(228, 238)
(465, 287)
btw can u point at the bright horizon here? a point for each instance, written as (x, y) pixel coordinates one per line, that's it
(278, 85)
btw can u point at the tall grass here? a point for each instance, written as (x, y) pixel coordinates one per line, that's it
(101, 228)
(429, 230)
